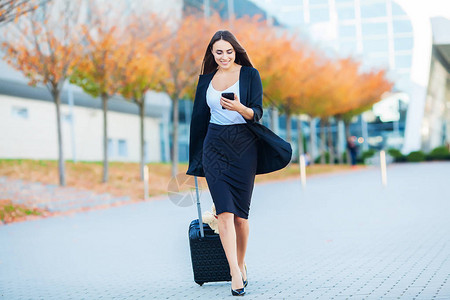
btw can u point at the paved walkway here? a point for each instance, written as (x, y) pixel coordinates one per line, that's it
(345, 236)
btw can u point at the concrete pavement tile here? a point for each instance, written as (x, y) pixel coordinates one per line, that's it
(342, 237)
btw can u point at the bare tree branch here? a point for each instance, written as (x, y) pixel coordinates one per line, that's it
(10, 10)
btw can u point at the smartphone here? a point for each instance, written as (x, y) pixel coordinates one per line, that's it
(229, 96)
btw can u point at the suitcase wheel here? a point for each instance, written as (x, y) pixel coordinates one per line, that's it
(200, 283)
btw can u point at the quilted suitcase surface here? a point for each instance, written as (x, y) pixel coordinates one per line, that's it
(208, 257)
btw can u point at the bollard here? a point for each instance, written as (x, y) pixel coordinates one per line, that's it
(302, 170)
(145, 182)
(383, 167)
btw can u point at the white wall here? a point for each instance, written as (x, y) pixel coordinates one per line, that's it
(435, 116)
(420, 71)
(35, 137)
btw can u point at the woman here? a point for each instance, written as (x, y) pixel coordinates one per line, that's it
(229, 147)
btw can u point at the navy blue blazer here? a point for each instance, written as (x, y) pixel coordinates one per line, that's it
(273, 152)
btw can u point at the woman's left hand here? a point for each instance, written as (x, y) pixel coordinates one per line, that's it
(234, 105)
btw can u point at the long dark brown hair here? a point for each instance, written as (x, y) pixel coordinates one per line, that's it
(209, 65)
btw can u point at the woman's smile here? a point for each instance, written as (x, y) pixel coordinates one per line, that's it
(225, 62)
(224, 54)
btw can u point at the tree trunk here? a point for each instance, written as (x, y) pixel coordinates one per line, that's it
(301, 149)
(175, 137)
(273, 119)
(289, 131)
(312, 140)
(322, 141)
(105, 137)
(365, 134)
(271, 123)
(61, 167)
(347, 136)
(330, 142)
(288, 127)
(141, 103)
(339, 141)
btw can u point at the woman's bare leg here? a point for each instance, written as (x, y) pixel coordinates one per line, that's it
(242, 231)
(227, 234)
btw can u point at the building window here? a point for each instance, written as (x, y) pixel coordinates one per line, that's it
(346, 13)
(67, 118)
(347, 2)
(347, 31)
(403, 43)
(397, 10)
(111, 147)
(403, 82)
(19, 112)
(347, 47)
(318, 2)
(375, 45)
(122, 148)
(380, 60)
(402, 26)
(319, 15)
(373, 10)
(369, 29)
(292, 18)
(403, 61)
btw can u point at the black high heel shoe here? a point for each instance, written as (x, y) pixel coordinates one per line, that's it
(238, 292)
(245, 281)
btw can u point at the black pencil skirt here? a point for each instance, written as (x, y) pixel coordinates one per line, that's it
(229, 161)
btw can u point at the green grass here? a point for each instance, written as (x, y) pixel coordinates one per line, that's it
(10, 212)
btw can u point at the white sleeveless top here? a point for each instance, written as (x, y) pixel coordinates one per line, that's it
(219, 115)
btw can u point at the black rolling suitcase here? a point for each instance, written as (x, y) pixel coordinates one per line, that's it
(208, 257)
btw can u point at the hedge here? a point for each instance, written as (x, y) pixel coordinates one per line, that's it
(416, 156)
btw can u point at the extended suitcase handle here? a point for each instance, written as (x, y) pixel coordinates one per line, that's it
(199, 209)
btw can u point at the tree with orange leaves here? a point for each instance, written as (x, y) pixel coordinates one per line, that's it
(343, 97)
(367, 90)
(11, 10)
(286, 66)
(182, 58)
(44, 46)
(310, 69)
(256, 34)
(299, 73)
(294, 67)
(346, 95)
(144, 70)
(105, 56)
(342, 91)
(312, 90)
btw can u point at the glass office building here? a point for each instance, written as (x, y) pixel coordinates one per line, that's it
(388, 34)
